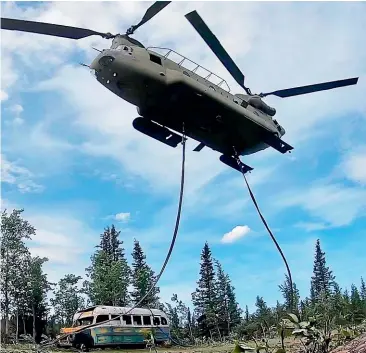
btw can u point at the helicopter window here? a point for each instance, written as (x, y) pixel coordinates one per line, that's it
(186, 73)
(244, 104)
(155, 59)
(106, 60)
(235, 101)
(212, 88)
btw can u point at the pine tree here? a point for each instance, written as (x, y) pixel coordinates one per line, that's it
(110, 243)
(305, 308)
(292, 298)
(263, 312)
(363, 295)
(109, 273)
(204, 298)
(339, 306)
(322, 279)
(363, 290)
(246, 314)
(356, 306)
(228, 312)
(143, 278)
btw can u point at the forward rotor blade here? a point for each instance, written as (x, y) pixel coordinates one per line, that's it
(49, 29)
(296, 91)
(200, 26)
(153, 10)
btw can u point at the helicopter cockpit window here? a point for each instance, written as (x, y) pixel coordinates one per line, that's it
(125, 49)
(155, 59)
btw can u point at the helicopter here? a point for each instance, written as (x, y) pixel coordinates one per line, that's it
(174, 102)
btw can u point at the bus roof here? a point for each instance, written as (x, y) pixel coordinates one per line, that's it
(119, 310)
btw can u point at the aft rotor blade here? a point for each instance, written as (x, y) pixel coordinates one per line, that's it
(296, 91)
(49, 29)
(200, 26)
(153, 10)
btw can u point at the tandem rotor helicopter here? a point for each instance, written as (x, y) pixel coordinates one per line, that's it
(173, 100)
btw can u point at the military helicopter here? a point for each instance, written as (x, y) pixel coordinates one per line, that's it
(173, 100)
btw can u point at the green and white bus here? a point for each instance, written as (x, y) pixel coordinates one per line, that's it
(125, 328)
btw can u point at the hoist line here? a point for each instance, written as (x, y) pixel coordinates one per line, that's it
(267, 227)
(172, 243)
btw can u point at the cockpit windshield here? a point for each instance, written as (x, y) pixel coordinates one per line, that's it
(84, 321)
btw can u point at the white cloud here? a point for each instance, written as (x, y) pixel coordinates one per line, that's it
(16, 109)
(311, 226)
(335, 204)
(12, 173)
(354, 166)
(234, 235)
(3, 96)
(122, 217)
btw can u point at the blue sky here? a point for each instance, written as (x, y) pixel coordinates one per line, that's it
(71, 158)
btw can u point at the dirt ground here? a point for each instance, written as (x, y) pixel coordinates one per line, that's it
(358, 345)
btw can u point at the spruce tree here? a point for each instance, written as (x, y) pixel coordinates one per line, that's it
(204, 298)
(228, 312)
(363, 295)
(111, 244)
(109, 273)
(143, 278)
(263, 312)
(363, 290)
(356, 307)
(322, 280)
(292, 298)
(246, 314)
(339, 305)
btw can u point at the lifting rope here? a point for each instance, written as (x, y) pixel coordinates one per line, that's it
(175, 233)
(241, 166)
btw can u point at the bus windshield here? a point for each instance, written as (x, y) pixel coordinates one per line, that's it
(84, 321)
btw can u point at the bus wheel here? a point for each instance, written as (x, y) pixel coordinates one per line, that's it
(84, 348)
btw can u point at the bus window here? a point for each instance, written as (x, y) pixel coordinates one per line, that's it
(101, 318)
(115, 318)
(163, 321)
(137, 320)
(146, 320)
(156, 320)
(85, 321)
(127, 319)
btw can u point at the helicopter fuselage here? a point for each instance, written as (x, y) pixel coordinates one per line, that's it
(167, 94)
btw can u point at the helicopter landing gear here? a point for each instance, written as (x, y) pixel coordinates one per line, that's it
(235, 164)
(157, 132)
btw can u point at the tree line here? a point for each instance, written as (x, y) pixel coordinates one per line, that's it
(110, 280)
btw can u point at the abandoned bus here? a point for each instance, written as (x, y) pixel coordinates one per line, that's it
(129, 329)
